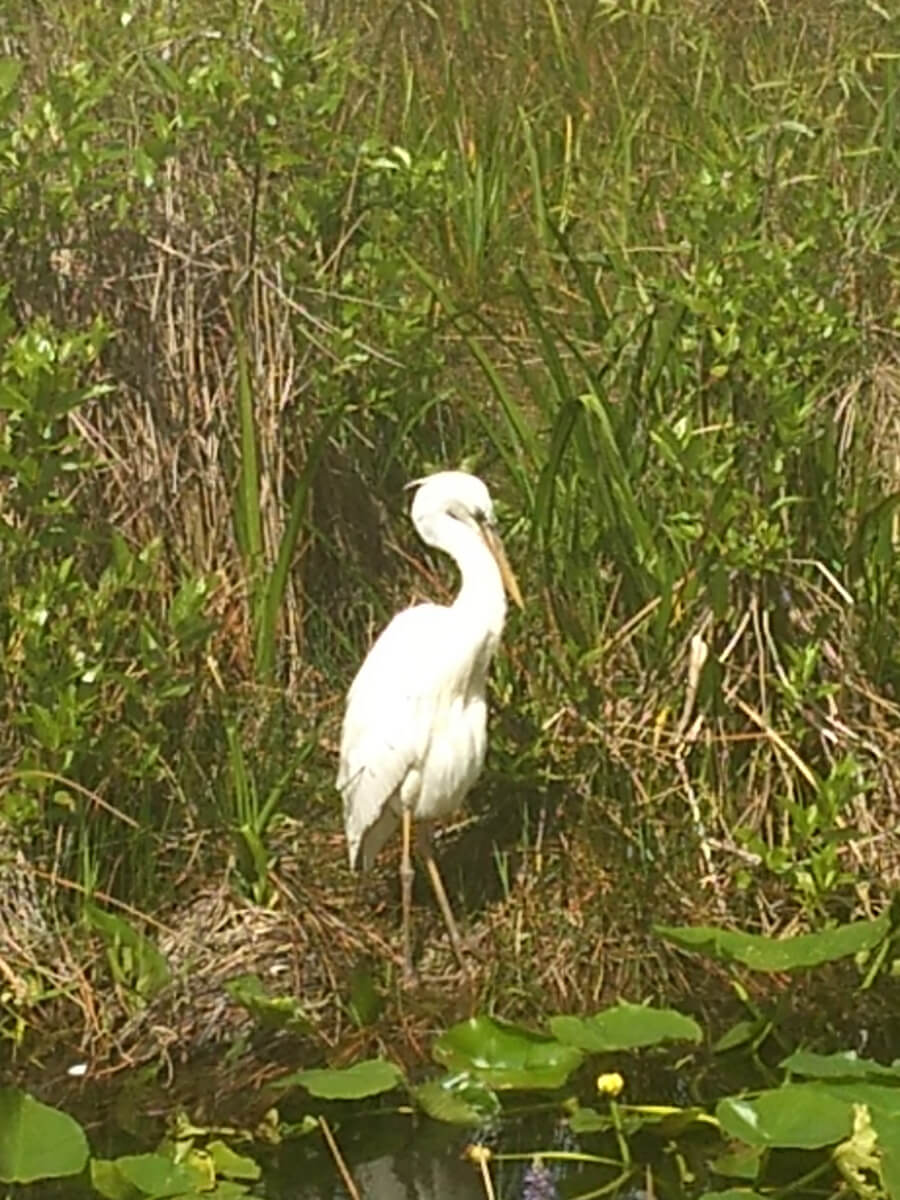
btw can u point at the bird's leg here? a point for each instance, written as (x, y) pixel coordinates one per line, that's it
(423, 843)
(406, 882)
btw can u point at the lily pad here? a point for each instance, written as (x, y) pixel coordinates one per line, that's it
(37, 1141)
(114, 1184)
(368, 1078)
(234, 1166)
(506, 1056)
(225, 1189)
(741, 1163)
(458, 1100)
(625, 1027)
(740, 1034)
(888, 1130)
(158, 1176)
(108, 1182)
(762, 953)
(879, 1097)
(801, 1116)
(846, 1065)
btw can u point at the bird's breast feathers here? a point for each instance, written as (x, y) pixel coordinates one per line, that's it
(415, 726)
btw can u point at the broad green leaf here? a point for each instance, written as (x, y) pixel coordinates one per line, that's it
(158, 1176)
(739, 1034)
(225, 1189)
(197, 1162)
(108, 1180)
(368, 1078)
(506, 1056)
(457, 1100)
(888, 1130)
(234, 1166)
(880, 1097)
(625, 1027)
(846, 1065)
(742, 1163)
(269, 1012)
(796, 1116)
(37, 1141)
(762, 953)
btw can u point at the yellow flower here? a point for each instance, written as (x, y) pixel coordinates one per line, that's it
(610, 1084)
(477, 1153)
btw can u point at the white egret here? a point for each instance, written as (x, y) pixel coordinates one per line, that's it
(415, 728)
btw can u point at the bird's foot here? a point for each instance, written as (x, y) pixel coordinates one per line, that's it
(468, 952)
(409, 976)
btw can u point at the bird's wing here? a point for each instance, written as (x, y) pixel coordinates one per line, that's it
(387, 724)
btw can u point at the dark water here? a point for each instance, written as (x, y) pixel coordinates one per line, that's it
(390, 1156)
(398, 1157)
(395, 1155)
(399, 1154)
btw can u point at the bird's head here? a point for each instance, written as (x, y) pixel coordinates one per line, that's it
(464, 498)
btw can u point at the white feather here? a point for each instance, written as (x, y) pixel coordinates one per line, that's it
(415, 727)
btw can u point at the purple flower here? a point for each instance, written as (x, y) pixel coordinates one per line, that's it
(538, 1183)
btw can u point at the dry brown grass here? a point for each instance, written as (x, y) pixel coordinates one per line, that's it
(565, 926)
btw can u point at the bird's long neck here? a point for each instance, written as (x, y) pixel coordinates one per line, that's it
(482, 590)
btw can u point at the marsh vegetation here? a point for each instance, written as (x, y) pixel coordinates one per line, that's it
(635, 264)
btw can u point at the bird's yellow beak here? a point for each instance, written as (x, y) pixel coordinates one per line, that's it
(495, 545)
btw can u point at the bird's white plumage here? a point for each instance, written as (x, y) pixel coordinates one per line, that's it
(415, 727)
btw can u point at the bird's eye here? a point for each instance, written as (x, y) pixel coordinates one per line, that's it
(480, 516)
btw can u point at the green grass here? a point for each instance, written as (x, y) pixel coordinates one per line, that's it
(637, 264)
